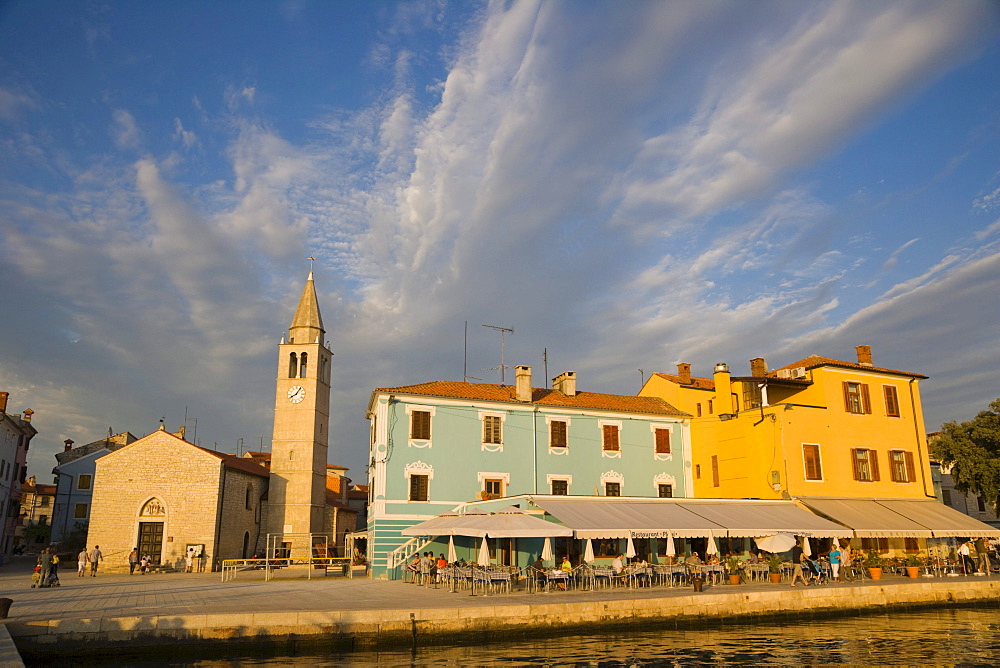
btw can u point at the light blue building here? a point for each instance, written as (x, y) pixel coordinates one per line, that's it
(437, 445)
(75, 482)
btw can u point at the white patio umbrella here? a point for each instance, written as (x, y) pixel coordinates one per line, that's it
(452, 557)
(588, 552)
(671, 550)
(712, 547)
(630, 548)
(484, 554)
(806, 547)
(779, 542)
(547, 550)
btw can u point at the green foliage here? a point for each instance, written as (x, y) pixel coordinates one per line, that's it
(873, 560)
(75, 540)
(972, 451)
(912, 560)
(733, 564)
(773, 563)
(34, 531)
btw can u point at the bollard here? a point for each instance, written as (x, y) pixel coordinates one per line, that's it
(5, 607)
(698, 581)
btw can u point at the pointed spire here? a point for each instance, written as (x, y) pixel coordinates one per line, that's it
(307, 325)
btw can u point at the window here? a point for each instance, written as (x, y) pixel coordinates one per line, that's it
(43, 519)
(303, 362)
(891, 400)
(83, 481)
(610, 438)
(493, 487)
(491, 429)
(981, 504)
(557, 434)
(856, 398)
(865, 464)
(420, 425)
(715, 470)
(662, 441)
(697, 409)
(901, 466)
(946, 496)
(697, 471)
(875, 544)
(752, 397)
(80, 511)
(418, 487)
(612, 489)
(710, 406)
(810, 456)
(44, 501)
(911, 545)
(560, 487)
(293, 365)
(665, 491)
(249, 499)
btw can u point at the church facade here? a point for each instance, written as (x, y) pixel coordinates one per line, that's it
(163, 495)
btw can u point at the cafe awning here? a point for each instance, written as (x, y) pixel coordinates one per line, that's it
(893, 518)
(508, 523)
(756, 518)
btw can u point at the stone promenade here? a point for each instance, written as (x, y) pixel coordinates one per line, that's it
(176, 608)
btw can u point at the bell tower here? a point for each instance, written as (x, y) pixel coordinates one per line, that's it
(297, 492)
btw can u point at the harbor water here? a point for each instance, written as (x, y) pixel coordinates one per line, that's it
(968, 636)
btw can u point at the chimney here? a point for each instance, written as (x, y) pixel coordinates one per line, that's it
(565, 383)
(67, 445)
(27, 414)
(3, 401)
(723, 390)
(864, 355)
(523, 384)
(758, 367)
(684, 371)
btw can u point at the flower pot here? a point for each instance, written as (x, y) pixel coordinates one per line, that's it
(775, 578)
(875, 573)
(913, 571)
(734, 578)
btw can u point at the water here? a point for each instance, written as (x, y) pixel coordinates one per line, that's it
(941, 636)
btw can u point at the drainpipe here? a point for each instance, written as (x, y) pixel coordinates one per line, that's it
(534, 447)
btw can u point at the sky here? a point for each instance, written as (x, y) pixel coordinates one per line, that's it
(626, 186)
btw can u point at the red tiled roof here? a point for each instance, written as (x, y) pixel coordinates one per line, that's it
(239, 463)
(539, 396)
(334, 466)
(39, 488)
(814, 361)
(697, 383)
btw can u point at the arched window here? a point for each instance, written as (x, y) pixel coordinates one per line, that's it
(249, 501)
(293, 366)
(302, 365)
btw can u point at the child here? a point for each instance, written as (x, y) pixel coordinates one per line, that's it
(144, 564)
(36, 577)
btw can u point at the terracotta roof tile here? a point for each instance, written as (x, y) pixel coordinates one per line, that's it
(539, 397)
(814, 361)
(239, 463)
(696, 383)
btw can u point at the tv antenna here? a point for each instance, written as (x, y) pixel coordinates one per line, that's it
(503, 367)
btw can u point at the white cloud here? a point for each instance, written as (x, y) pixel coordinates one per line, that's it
(124, 130)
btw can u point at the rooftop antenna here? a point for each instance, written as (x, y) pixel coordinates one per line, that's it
(545, 363)
(642, 378)
(503, 332)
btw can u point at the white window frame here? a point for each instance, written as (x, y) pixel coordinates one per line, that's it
(418, 468)
(664, 479)
(549, 419)
(610, 454)
(483, 476)
(492, 447)
(659, 456)
(549, 477)
(418, 442)
(90, 479)
(613, 476)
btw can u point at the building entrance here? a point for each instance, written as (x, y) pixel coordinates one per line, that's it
(151, 541)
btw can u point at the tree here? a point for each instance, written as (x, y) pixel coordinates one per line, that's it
(972, 450)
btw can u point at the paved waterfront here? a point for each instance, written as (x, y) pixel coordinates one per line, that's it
(172, 594)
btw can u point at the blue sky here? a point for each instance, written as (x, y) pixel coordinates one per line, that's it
(626, 185)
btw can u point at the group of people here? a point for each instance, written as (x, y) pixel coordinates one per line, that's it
(46, 569)
(143, 563)
(93, 558)
(424, 567)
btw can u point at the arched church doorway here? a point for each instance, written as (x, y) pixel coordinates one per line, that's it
(151, 520)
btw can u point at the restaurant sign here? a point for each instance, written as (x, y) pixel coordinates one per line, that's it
(650, 534)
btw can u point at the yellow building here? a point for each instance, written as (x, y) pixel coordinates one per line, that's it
(817, 428)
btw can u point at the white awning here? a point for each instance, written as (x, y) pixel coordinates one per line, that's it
(623, 517)
(910, 518)
(501, 525)
(755, 518)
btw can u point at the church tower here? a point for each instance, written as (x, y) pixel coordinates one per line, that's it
(297, 493)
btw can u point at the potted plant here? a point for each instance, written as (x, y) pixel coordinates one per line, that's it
(774, 568)
(733, 568)
(912, 566)
(874, 564)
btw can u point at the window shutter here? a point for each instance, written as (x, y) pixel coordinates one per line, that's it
(866, 404)
(854, 461)
(891, 401)
(873, 464)
(911, 470)
(557, 435)
(663, 441)
(420, 425)
(715, 470)
(847, 397)
(810, 452)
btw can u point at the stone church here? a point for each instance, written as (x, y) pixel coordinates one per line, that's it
(164, 495)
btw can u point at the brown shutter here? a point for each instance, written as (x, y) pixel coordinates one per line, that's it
(866, 404)
(847, 397)
(420, 424)
(891, 401)
(911, 470)
(810, 453)
(873, 464)
(663, 441)
(715, 470)
(854, 464)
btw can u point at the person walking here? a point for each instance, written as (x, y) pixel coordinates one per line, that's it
(834, 556)
(95, 557)
(963, 553)
(984, 556)
(133, 560)
(144, 564)
(81, 562)
(797, 553)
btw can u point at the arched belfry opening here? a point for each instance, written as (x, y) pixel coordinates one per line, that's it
(303, 363)
(293, 366)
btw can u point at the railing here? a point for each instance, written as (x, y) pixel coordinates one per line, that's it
(231, 567)
(402, 554)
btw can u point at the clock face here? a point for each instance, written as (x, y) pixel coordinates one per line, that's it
(296, 393)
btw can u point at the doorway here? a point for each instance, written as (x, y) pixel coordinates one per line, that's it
(151, 541)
